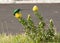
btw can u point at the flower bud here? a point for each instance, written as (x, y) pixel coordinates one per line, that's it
(51, 20)
(18, 15)
(28, 17)
(35, 8)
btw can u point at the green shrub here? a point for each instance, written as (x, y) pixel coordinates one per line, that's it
(33, 33)
(37, 33)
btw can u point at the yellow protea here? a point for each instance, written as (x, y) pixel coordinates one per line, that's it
(18, 15)
(35, 8)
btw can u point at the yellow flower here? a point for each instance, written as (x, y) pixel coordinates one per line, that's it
(18, 15)
(35, 8)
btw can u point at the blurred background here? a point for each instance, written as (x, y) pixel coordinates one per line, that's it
(9, 24)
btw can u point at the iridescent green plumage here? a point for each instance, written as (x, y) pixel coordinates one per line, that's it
(16, 11)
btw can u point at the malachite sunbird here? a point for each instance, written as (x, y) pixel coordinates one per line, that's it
(17, 13)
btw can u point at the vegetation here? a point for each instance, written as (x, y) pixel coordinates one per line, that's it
(22, 38)
(33, 33)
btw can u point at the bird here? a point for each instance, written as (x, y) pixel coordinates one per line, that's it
(17, 13)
